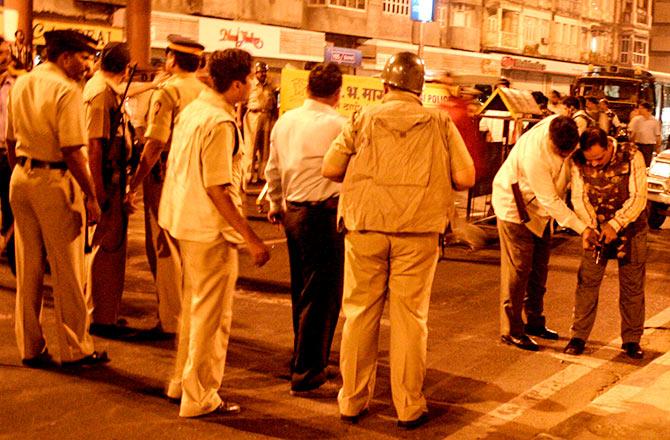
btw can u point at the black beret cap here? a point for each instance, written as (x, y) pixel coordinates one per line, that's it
(185, 45)
(70, 40)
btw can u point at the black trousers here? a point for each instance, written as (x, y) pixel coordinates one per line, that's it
(7, 216)
(316, 256)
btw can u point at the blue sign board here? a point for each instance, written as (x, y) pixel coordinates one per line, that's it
(344, 56)
(423, 10)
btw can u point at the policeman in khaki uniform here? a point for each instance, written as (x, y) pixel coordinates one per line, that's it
(182, 87)
(400, 163)
(258, 122)
(107, 265)
(52, 194)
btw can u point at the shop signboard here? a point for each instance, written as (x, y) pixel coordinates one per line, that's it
(102, 34)
(343, 56)
(357, 92)
(423, 10)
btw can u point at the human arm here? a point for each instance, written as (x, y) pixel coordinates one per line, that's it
(219, 195)
(583, 208)
(462, 166)
(216, 161)
(77, 164)
(539, 165)
(273, 179)
(336, 159)
(636, 202)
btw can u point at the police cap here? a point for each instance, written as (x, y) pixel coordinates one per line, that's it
(67, 40)
(177, 43)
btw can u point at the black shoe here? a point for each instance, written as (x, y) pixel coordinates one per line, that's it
(523, 342)
(42, 360)
(324, 391)
(353, 420)
(111, 331)
(94, 358)
(575, 347)
(154, 334)
(225, 408)
(542, 332)
(633, 350)
(413, 424)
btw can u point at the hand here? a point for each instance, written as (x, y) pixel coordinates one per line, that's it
(129, 201)
(607, 234)
(275, 216)
(589, 239)
(92, 210)
(259, 252)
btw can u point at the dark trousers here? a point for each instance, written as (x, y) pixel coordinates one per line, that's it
(647, 151)
(316, 256)
(524, 264)
(6, 210)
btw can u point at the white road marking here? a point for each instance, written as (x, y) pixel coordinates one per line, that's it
(581, 366)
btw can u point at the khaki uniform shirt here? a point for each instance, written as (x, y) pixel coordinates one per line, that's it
(45, 114)
(167, 101)
(389, 189)
(99, 101)
(202, 156)
(261, 97)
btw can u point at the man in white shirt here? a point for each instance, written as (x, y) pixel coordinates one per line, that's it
(201, 208)
(609, 192)
(306, 203)
(645, 131)
(539, 167)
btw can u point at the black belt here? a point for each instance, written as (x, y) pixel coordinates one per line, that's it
(330, 203)
(255, 110)
(35, 163)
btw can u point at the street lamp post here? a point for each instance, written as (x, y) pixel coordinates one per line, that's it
(422, 11)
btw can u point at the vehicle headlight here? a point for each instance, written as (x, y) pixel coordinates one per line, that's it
(661, 169)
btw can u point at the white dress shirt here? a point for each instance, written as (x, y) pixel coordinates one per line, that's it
(543, 177)
(644, 130)
(298, 142)
(632, 207)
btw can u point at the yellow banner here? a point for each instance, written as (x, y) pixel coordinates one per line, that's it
(103, 34)
(357, 91)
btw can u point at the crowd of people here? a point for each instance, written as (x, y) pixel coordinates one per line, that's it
(362, 201)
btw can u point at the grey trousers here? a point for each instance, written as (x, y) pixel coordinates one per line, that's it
(524, 263)
(631, 292)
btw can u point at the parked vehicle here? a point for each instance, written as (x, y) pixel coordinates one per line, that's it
(658, 189)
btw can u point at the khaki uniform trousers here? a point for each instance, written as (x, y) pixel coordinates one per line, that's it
(251, 119)
(106, 269)
(49, 214)
(209, 276)
(377, 267)
(163, 256)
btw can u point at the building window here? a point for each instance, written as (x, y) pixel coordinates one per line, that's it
(396, 7)
(624, 50)
(462, 15)
(351, 4)
(640, 52)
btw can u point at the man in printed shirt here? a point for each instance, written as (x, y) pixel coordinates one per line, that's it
(306, 203)
(182, 87)
(107, 265)
(539, 164)
(52, 193)
(201, 207)
(609, 192)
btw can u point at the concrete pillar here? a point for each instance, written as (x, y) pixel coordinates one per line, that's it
(138, 31)
(18, 15)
